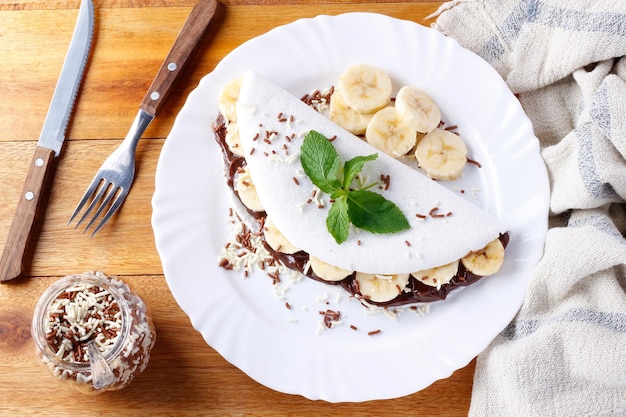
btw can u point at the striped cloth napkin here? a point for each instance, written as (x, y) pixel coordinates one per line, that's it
(564, 354)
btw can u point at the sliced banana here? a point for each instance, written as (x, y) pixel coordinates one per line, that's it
(381, 288)
(247, 191)
(326, 271)
(340, 113)
(227, 100)
(486, 261)
(276, 239)
(442, 155)
(436, 277)
(365, 88)
(232, 139)
(418, 109)
(388, 132)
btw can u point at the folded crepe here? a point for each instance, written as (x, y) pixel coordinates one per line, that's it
(272, 124)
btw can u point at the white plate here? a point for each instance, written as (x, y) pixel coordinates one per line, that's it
(244, 320)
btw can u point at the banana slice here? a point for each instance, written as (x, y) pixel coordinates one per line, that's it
(340, 113)
(442, 155)
(365, 88)
(486, 261)
(227, 100)
(326, 271)
(436, 277)
(232, 139)
(388, 132)
(276, 239)
(247, 191)
(381, 288)
(418, 109)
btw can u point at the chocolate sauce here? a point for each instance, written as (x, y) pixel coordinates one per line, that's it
(233, 163)
(415, 292)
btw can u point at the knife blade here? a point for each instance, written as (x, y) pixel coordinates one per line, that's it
(30, 204)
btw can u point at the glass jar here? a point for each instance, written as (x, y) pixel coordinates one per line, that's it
(88, 307)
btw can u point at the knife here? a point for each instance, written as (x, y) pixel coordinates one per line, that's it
(13, 260)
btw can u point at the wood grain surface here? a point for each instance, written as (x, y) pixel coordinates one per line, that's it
(185, 376)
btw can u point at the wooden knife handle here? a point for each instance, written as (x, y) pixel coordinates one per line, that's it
(16, 248)
(192, 32)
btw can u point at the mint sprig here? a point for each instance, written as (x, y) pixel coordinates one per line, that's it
(365, 209)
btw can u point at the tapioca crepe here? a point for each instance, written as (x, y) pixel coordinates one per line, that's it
(444, 227)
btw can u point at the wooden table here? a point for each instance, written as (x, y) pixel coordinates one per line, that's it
(185, 376)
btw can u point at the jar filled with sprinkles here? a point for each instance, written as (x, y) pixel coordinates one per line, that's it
(94, 313)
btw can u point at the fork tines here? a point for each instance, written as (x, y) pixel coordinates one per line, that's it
(101, 195)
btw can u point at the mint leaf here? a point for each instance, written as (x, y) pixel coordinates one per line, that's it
(320, 162)
(338, 222)
(365, 209)
(352, 167)
(373, 212)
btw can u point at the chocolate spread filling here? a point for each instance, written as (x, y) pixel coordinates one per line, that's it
(415, 291)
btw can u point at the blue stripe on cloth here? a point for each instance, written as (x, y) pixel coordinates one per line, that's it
(599, 110)
(615, 322)
(587, 165)
(581, 21)
(602, 223)
(535, 11)
(511, 26)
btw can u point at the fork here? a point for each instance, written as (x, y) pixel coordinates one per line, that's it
(111, 184)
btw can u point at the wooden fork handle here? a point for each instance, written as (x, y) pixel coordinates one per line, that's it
(27, 216)
(190, 35)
